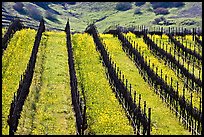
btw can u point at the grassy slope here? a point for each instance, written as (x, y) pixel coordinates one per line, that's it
(14, 62)
(104, 113)
(53, 113)
(88, 12)
(166, 71)
(165, 123)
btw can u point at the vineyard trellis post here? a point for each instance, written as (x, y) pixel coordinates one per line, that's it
(80, 114)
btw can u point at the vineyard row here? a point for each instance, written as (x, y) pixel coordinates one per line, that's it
(24, 85)
(174, 99)
(138, 117)
(180, 68)
(76, 98)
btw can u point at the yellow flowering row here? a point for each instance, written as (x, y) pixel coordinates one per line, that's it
(105, 116)
(166, 70)
(48, 108)
(169, 46)
(163, 121)
(3, 31)
(14, 62)
(193, 46)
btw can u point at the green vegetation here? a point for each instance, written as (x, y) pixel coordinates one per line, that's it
(138, 11)
(19, 7)
(104, 113)
(48, 109)
(123, 6)
(161, 11)
(156, 5)
(34, 13)
(139, 3)
(14, 63)
(105, 14)
(163, 121)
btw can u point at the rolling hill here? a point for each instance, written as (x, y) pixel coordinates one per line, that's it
(103, 14)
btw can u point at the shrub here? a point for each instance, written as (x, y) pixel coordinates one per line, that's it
(139, 3)
(34, 13)
(123, 6)
(163, 21)
(162, 11)
(156, 5)
(157, 20)
(66, 4)
(18, 6)
(178, 4)
(71, 3)
(188, 22)
(138, 11)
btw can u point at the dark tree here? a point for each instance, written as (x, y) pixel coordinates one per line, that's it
(139, 3)
(162, 11)
(71, 3)
(34, 13)
(123, 6)
(18, 6)
(166, 4)
(138, 11)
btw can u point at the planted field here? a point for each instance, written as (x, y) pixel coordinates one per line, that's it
(160, 64)
(48, 109)
(104, 113)
(160, 112)
(189, 43)
(14, 62)
(98, 84)
(193, 66)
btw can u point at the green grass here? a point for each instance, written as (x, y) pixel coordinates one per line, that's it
(105, 116)
(166, 70)
(164, 122)
(26, 121)
(53, 113)
(14, 63)
(48, 107)
(88, 12)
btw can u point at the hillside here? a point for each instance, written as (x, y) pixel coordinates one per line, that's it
(104, 14)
